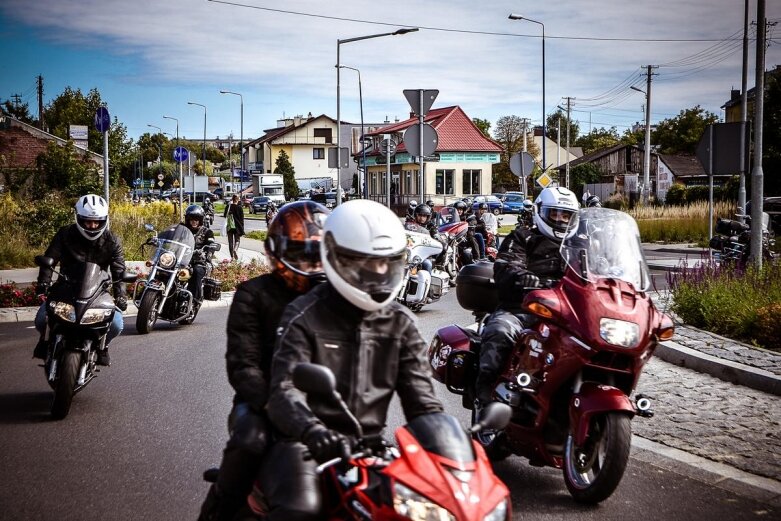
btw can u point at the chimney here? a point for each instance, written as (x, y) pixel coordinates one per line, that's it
(734, 94)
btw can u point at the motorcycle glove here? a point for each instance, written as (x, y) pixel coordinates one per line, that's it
(121, 303)
(325, 444)
(42, 289)
(528, 280)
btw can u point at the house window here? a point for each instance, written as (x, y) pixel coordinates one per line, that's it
(444, 181)
(471, 182)
(318, 153)
(324, 133)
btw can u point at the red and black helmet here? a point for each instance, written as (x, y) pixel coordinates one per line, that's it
(293, 244)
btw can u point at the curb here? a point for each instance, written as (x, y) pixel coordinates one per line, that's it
(720, 368)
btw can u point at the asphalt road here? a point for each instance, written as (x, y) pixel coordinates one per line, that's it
(139, 436)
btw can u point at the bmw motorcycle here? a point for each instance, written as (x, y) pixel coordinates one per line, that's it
(79, 313)
(732, 243)
(421, 287)
(164, 294)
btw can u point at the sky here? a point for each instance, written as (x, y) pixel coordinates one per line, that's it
(149, 58)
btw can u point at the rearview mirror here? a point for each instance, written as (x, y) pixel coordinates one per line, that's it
(314, 379)
(495, 416)
(43, 261)
(149, 227)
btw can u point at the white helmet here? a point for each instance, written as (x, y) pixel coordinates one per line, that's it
(556, 213)
(364, 250)
(91, 207)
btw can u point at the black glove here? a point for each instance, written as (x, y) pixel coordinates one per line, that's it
(42, 289)
(121, 302)
(528, 280)
(325, 444)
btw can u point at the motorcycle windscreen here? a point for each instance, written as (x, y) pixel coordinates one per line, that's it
(441, 434)
(91, 281)
(606, 245)
(179, 241)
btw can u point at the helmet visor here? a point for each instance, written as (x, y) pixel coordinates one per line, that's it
(301, 256)
(377, 275)
(559, 219)
(92, 226)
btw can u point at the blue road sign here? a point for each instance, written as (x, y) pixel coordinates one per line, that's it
(180, 154)
(102, 119)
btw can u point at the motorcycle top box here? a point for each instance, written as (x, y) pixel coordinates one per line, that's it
(475, 288)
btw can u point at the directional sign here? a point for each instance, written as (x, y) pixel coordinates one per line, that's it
(413, 98)
(345, 157)
(180, 154)
(388, 147)
(544, 180)
(412, 140)
(160, 177)
(102, 119)
(726, 148)
(521, 164)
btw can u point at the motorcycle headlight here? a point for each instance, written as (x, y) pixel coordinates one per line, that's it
(412, 505)
(91, 316)
(499, 513)
(64, 310)
(167, 260)
(619, 332)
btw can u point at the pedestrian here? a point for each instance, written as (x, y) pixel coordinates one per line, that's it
(234, 215)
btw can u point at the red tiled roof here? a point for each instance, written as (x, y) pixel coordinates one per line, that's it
(455, 130)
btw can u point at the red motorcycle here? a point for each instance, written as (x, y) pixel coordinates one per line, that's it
(571, 373)
(437, 472)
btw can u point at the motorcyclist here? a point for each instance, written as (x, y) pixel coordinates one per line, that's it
(353, 325)
(422, 224)
(208, 208)
(473, 242)
(435, 217)
(525, 256)
(411, 209)
(194, 216)
(486, 223)
(271, 212)
(526, 216)
(87, 240)
(593, 202)
(293, 250)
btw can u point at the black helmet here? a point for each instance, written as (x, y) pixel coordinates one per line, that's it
(430, 204)
(421, 210)
(459, 205)
(194, 211)
(482, 206)
(593, 202)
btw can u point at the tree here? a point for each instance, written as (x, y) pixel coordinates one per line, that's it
(484, 125)
(18, 111)
(61, 168)
(771, 138)
(552, 130)
(509, 134)
(633, 138)
(598, 139)
(284, 167)
(683, 132)
(584, 173)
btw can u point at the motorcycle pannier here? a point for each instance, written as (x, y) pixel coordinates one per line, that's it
(475, 288)
(211, 289)
(730, 227)
(717, 242)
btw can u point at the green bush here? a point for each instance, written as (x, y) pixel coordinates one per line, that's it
(676, 195)
(741, 304)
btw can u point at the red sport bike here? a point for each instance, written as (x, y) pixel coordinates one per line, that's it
(571, 373)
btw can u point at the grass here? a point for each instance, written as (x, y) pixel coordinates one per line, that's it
(671, 224)
(259, 235)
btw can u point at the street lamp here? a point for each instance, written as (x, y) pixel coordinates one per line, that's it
(363, 147)
(241, 138)
(544, 144)
(204, 138)
(647, 151)
(181, 180)
(338, 101)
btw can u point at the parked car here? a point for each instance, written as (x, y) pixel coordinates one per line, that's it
(500, 196)
(494, 204)
(246, 199)
(259, 204)
(326, 199)
(217, 193)
(513, 203)
(772, 207)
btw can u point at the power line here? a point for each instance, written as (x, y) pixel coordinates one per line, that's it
(463, 31)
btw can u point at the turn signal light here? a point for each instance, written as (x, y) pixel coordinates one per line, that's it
(540, 310)
(184, 274)
(666, 328)
(148, 264)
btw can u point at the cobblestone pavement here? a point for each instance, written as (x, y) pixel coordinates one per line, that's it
(717, 420)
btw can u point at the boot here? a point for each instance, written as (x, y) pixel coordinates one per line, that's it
(103, 357)
(41, 349)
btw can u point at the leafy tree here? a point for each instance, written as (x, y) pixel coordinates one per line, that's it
(598, 139)
(584, 173)
(683, 132)
(552, 130)
(61, 168)
(771, 125)
(484, 125)
(509, 134)
(20, 112)
(284, 167)
(198, 168)
(633, 138)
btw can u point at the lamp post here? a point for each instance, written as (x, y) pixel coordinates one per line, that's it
(241, 137)
(544, 144)
(647, 151)
(338, 102)
(204, 138)
(362, 188)
(181, 180)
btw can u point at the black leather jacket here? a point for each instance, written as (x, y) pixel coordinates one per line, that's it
(372, 356)
(71, 250)
(521, 252)
(252, 327)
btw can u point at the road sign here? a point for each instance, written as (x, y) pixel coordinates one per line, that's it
(544, 180)
(345, 157)
(136, 181)
(180, 154)
(413, 98)
(388, 147)
(412, 139)
(160, 177)
(102, 119)
(176, 183)
(521, 164)
(726, 149)
(160, 184)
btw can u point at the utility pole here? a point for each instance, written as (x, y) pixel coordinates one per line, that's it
(647, 155)
(757, 175)
(40, 102)
(525, 127)
(743, 119)
(569, 109)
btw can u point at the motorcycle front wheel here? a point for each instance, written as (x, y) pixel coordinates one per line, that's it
(593, 470)
(67, 373)
(147, 312)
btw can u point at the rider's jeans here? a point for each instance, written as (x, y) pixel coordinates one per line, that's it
(114, 330)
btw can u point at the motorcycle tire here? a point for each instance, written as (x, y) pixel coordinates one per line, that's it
(147, 312)
(67, 373)
(592, 471)
(491, 441)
